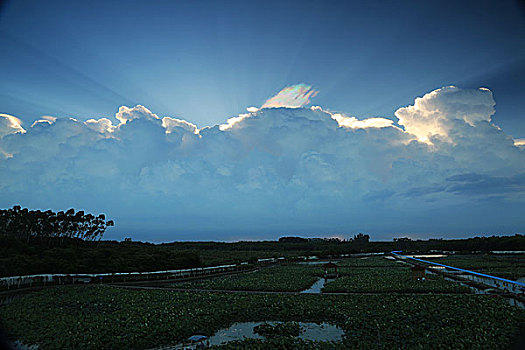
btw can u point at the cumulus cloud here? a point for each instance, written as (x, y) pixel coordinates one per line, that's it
(354, 123)
(45, 119)
(102, 125)
(10, 125)
(126, 114)
(519, 143)
(172, 124)
(433, 114)
(276, 170)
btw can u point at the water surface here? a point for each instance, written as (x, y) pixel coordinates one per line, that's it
(311, 331)
(318, 286)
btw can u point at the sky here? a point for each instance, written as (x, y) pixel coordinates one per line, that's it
(390, 118)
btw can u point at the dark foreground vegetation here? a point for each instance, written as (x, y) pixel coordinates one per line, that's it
(19, 257)
(388, 308)
(75, 256)
(104, 317)
(35, 242)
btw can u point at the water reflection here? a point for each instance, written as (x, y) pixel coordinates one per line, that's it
(311, 331)
(317, 287)
(317, 262)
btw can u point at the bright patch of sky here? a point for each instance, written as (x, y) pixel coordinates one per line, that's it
(204, 61)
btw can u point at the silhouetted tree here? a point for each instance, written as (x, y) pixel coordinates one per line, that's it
(24, 224)
(361, 238)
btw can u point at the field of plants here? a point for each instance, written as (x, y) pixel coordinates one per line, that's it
(96, 317)
(371, 275)
(501, 265)
(291, 278)
(372, 261)
(395, 280)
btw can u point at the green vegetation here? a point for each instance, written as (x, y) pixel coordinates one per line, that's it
(292, 278)
(96, 317)
(395, 280)
(373, 261)
(75, 256)
(511, 266)
(34, 242)
(99, 316)
(281, 329)
(357, 275)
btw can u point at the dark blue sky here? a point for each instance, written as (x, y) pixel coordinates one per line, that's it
(205, 61)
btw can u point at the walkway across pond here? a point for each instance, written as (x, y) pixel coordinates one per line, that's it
(519, 284)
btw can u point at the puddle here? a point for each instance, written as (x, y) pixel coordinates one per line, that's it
(323, 332)
(318, 286)
(311, 331)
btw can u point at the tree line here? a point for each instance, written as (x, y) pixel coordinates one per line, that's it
(360, 238)
(26, 224)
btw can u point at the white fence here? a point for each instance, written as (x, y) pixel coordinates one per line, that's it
(43, 279)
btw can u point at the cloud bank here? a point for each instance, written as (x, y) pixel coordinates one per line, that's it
(443, 168)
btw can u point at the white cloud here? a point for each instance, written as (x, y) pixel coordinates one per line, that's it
(126, 114)
(432, 114)
(230, 123)
(10, 125)
(354, 123)
(519, 143)
(276, 169)
(171, 124)
(102, 125)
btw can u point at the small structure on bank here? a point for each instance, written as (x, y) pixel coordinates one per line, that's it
(418, 273)
(330, 270)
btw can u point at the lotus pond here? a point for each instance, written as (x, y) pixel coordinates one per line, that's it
(381, 276)
(104, 317)
(291, 278)
(398, 280)
(511, 266)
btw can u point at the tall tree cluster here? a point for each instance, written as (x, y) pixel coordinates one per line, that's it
(25, 224)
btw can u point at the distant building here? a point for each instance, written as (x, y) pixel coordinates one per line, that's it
(330, 270)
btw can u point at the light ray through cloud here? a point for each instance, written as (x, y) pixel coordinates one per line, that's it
(299, 167)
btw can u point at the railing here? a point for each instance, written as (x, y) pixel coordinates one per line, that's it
(43, 279)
